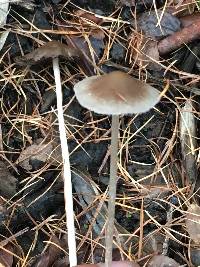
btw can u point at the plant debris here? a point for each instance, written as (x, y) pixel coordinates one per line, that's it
(158, 24)
(39, 151)
(161, 261)
(193, 222)
(184, 36)
(156, 42)
(51, 49)
(6, 258)
(8, 183)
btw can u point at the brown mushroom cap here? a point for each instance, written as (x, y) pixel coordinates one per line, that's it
(116, 93)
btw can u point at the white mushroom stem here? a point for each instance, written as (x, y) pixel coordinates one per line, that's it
(112, 190)
(67, 171)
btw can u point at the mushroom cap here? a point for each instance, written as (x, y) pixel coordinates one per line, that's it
(116, 93)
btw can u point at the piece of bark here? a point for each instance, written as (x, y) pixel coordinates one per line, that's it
(181, 8)
(174, 41)
(189, 19)
(192, 222)
(188, 135)
(8, 181)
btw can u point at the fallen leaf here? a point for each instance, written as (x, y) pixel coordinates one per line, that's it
(145, 52)
(38, 151)
(192, 222)
(8, 181)
(91, 46)
(51, 49)
(148, 24)
(6, 258)
(53, 252)
(162, 261)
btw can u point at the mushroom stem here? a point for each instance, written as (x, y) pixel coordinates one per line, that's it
(67, 172)
(112, 190)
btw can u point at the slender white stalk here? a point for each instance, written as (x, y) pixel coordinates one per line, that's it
(67, 172)
(112, 189)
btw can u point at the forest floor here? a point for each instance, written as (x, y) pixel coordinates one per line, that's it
(157, 204)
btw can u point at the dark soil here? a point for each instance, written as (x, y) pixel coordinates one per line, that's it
(27, 114)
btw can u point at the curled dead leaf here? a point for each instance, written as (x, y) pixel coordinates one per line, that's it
(51, 49)
(144, 51)
(38, 151)
(192, 222)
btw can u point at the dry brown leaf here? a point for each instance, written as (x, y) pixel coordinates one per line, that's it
(162, 261)
(193, 222)
(53, 252)
(145, 52)
(51, 49)
(6, 259)
(8, 181)
(39, 152)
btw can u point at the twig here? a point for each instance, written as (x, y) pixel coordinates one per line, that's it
(174, 41)
(67, 172)
(112, 190)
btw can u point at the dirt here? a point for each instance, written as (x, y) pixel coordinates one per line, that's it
(150, 159)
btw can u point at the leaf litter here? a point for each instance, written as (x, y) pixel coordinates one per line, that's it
(91, 34)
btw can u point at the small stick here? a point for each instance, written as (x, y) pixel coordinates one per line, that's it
(112, 190)
(67, 172)
(184, 36)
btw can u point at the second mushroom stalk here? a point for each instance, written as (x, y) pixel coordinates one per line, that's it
(115, 94)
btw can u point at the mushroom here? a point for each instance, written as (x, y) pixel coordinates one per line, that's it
(115, 94)
(53, 49)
